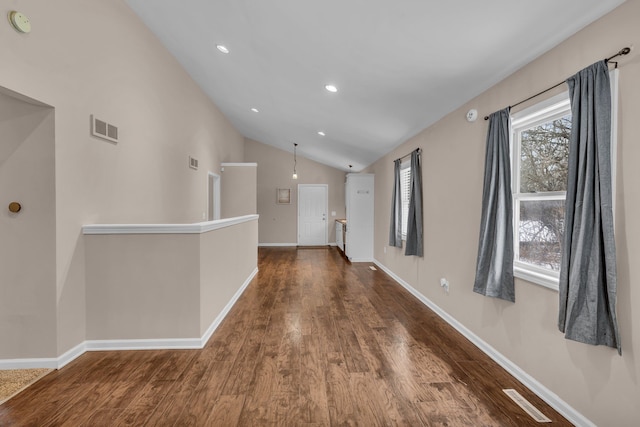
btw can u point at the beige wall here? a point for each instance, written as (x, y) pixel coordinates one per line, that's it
(278, 223)
(27, 249)
(235, 246)
(597, 382)
(165, 286)
(97, 57)
(143, 286)
(238, 189)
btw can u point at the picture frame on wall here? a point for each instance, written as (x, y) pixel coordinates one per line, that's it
(283, 196)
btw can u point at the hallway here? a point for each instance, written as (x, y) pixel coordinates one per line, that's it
(313, 341)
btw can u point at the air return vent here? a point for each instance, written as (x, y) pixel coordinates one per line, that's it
(103, 130)
(193, 163)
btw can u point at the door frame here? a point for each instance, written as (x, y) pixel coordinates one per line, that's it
(326, 206)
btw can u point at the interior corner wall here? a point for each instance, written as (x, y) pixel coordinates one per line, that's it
(98, 58)
(595, 381)
(278, 222)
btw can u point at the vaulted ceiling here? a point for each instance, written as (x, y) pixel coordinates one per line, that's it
(398, 65)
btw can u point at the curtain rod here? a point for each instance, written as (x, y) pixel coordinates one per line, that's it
(623, 51)
(407, 155)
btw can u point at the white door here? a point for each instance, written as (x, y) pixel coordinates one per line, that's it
(312, 214)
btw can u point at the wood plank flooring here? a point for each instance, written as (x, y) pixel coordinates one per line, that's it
(313, 341)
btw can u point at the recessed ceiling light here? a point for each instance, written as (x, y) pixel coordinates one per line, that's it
(222, 48)
(255, 110)
(321, 133)
(331, 88)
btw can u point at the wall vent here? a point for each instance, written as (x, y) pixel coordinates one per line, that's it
(193, 163)
(526, 406)
(103, 130)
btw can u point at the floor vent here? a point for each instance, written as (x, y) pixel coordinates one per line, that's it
(103, 130)
(526, 406)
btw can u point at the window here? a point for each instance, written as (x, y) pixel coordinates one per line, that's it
(539, 160)
(539, 152)
(405, 194)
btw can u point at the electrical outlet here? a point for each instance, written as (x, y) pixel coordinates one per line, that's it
(444, 283)
(384, 249)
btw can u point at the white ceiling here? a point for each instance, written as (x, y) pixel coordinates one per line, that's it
(399, 65)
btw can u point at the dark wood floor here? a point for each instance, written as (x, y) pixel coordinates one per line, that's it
(313, 341)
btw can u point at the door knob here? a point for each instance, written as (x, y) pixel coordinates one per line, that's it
(15, 207)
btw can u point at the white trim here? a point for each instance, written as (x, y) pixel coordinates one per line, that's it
(541, 112)
(136, 344)
(534, 385)
(536, 277)
(613, 79)
(144, 344)
(552, 106)
(71, 354)
(197, 228)
(172, 343)
(49, 363)
(286, 245)
(362, 260)
(220, 317)
(239, 164)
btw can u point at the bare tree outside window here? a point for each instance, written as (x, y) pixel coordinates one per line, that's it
(544, 151)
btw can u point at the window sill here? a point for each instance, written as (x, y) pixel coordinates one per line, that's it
(546, 280)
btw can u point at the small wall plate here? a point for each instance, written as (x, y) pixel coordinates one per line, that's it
(20, 21)
(472, 115)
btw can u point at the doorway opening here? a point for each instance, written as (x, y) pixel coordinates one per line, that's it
(213, 192)
(28, 305)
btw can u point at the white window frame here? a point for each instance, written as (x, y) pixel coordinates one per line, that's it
(404, 213)
(542, 112)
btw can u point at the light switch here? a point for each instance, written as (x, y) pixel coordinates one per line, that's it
(333, 213)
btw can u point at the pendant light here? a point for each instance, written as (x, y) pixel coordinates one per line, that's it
(295, 175)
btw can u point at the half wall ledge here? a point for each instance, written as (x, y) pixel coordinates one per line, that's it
(195, 228)
(165, 281)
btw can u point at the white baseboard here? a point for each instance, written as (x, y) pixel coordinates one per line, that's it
(135, 344)
(286, 245)
(143, 344)
(534, 385)
(50, 363)
(216, 322)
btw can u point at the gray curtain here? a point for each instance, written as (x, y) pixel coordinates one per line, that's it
(588, 268)
(414, 220)
(494, 268)
(395, 228)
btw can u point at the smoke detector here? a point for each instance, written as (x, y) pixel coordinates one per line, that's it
(20, 22)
